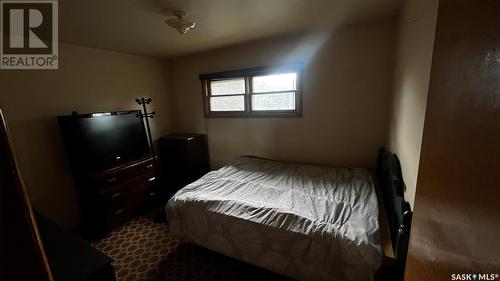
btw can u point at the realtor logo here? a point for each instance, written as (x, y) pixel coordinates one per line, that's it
(29, 38)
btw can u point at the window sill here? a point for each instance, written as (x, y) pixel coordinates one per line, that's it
(255, 115)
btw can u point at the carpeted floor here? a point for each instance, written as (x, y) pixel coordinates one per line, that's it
(143, 250)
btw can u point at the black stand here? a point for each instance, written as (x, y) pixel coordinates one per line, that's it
(146, 115)
(160, 215)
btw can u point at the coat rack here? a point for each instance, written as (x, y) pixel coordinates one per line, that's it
(146, 115)
(160, 215)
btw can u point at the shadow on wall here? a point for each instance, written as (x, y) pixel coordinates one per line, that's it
(346, 103)
(38, 137)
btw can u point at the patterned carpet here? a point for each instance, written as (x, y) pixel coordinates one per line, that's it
(143, 250)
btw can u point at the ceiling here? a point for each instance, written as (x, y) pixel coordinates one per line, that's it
(138, 27)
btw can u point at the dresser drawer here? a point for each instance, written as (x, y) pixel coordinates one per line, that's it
(118, 177)
(123, 202)
(118, 197)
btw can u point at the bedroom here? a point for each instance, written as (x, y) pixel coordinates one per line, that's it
(361, 80)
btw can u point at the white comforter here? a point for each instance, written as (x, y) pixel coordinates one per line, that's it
(303, 221)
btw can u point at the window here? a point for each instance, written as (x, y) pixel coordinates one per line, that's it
(257, 92)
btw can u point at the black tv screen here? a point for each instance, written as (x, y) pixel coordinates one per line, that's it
(100, 139)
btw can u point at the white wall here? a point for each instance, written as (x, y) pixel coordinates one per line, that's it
(417, 24)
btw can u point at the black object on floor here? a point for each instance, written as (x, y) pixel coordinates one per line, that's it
(71, 258)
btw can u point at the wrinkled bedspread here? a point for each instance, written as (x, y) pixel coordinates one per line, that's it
(307, 222)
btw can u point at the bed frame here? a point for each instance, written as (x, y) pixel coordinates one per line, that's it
(398, 210)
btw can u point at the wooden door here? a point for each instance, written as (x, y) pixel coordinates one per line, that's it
(456, 223)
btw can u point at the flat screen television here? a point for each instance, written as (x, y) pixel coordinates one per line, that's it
(96, 140)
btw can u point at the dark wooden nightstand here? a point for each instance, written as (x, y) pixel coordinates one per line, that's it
(184, 159)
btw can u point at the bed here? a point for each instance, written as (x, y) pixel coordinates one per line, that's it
(304, 221)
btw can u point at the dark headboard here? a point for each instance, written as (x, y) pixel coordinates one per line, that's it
(391, 184)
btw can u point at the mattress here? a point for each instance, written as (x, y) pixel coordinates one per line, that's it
(303, 221)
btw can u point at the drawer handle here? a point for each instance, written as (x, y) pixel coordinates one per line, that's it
(112, 179)
(119, 211)
(151, 194)
(151, 179)
(149, 166)
(116, 195)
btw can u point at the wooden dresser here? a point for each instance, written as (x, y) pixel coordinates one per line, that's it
(112, 196)
(184, 159)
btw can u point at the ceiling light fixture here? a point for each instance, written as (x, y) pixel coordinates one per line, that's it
(179, 23)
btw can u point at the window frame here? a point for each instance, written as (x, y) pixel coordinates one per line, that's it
(247, 75)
